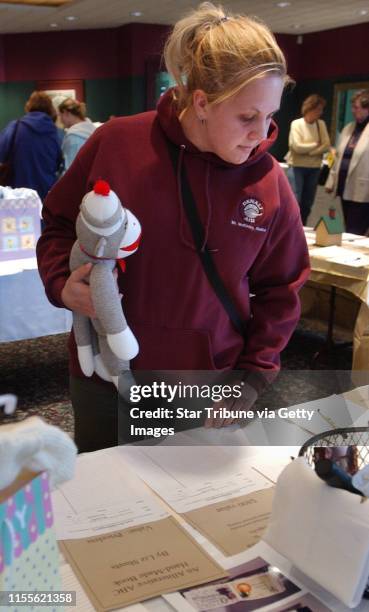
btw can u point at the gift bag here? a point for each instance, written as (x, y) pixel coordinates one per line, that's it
(20, 223)
(29, 555)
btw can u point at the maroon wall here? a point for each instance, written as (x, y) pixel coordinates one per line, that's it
(336, 53)
(2, 60)
(60, 55)
(79, 54)
(93, 54)
(293, 53)
(123, 51)
(145, 41)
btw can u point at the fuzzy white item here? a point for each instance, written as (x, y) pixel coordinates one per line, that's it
(36, 446)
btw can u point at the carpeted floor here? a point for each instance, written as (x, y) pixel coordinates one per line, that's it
(37, 372)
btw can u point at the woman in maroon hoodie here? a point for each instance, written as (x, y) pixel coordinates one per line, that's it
(216, 127)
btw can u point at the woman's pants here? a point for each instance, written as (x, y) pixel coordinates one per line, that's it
(306, 183)
(356, 216)
(103, 419)
(95, 408)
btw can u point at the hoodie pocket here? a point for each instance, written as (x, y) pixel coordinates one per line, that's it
(162, 348)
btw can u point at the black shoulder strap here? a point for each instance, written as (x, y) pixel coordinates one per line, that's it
(318, 127)
(203, 252)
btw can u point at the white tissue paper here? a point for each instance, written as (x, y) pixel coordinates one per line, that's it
(323, 531)
(37, 446)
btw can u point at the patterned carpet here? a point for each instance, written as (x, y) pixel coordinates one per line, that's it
(37, 372)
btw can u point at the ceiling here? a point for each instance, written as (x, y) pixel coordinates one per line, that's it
(299, 17)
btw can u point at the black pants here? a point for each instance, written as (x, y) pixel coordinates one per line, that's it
(95, 408)
(102, 419)
(356, 216)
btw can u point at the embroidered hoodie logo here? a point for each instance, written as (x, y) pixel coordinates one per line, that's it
(250, 213)
(251, 210)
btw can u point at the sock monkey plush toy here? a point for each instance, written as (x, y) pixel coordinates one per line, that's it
(106, 234)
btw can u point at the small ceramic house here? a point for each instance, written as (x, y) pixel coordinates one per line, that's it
(329, 229)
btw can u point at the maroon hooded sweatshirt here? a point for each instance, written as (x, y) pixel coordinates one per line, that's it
(252, 226)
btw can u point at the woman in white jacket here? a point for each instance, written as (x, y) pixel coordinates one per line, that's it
(349, 175)
(308, 141)
(78, 128)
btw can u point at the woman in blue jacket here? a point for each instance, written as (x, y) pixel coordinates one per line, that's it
(31, 145)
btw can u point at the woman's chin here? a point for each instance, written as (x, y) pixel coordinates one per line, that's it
(242, 154)
(236, 156)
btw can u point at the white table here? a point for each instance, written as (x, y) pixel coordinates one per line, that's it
(159, 604)
(25, 311)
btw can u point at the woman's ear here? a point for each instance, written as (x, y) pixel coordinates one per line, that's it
(200, 104)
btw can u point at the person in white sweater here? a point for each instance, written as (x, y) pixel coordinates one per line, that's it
(308, 141)
(349, 175)
(78, 128)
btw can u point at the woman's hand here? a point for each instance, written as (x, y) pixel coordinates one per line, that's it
(329, 189)
(244, 403)
(76, 294)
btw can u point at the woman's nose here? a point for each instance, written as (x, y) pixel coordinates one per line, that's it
(259, 131)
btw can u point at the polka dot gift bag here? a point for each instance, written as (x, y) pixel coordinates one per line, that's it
(29, 556)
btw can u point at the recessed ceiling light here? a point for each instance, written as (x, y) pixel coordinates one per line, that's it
(53, 25)
(136, 13)
(71, 18)
(283, 4)
(363, 12)
(296, 26)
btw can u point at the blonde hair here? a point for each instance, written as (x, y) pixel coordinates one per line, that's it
(219, 53)
(78, 109)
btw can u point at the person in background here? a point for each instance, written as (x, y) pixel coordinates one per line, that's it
(349, 175)
(230, 75)
(36, 154)
(308, 141)
(78, 128)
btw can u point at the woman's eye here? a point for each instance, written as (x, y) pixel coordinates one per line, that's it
(247, 119)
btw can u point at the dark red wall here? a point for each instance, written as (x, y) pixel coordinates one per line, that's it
(60, 55)
(335, 53)
(146, 40)
(93, 54)
(123, 51)
(2, 60)
(292, 51)
(79, 54)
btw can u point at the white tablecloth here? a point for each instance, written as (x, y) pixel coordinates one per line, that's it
(25, 311)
